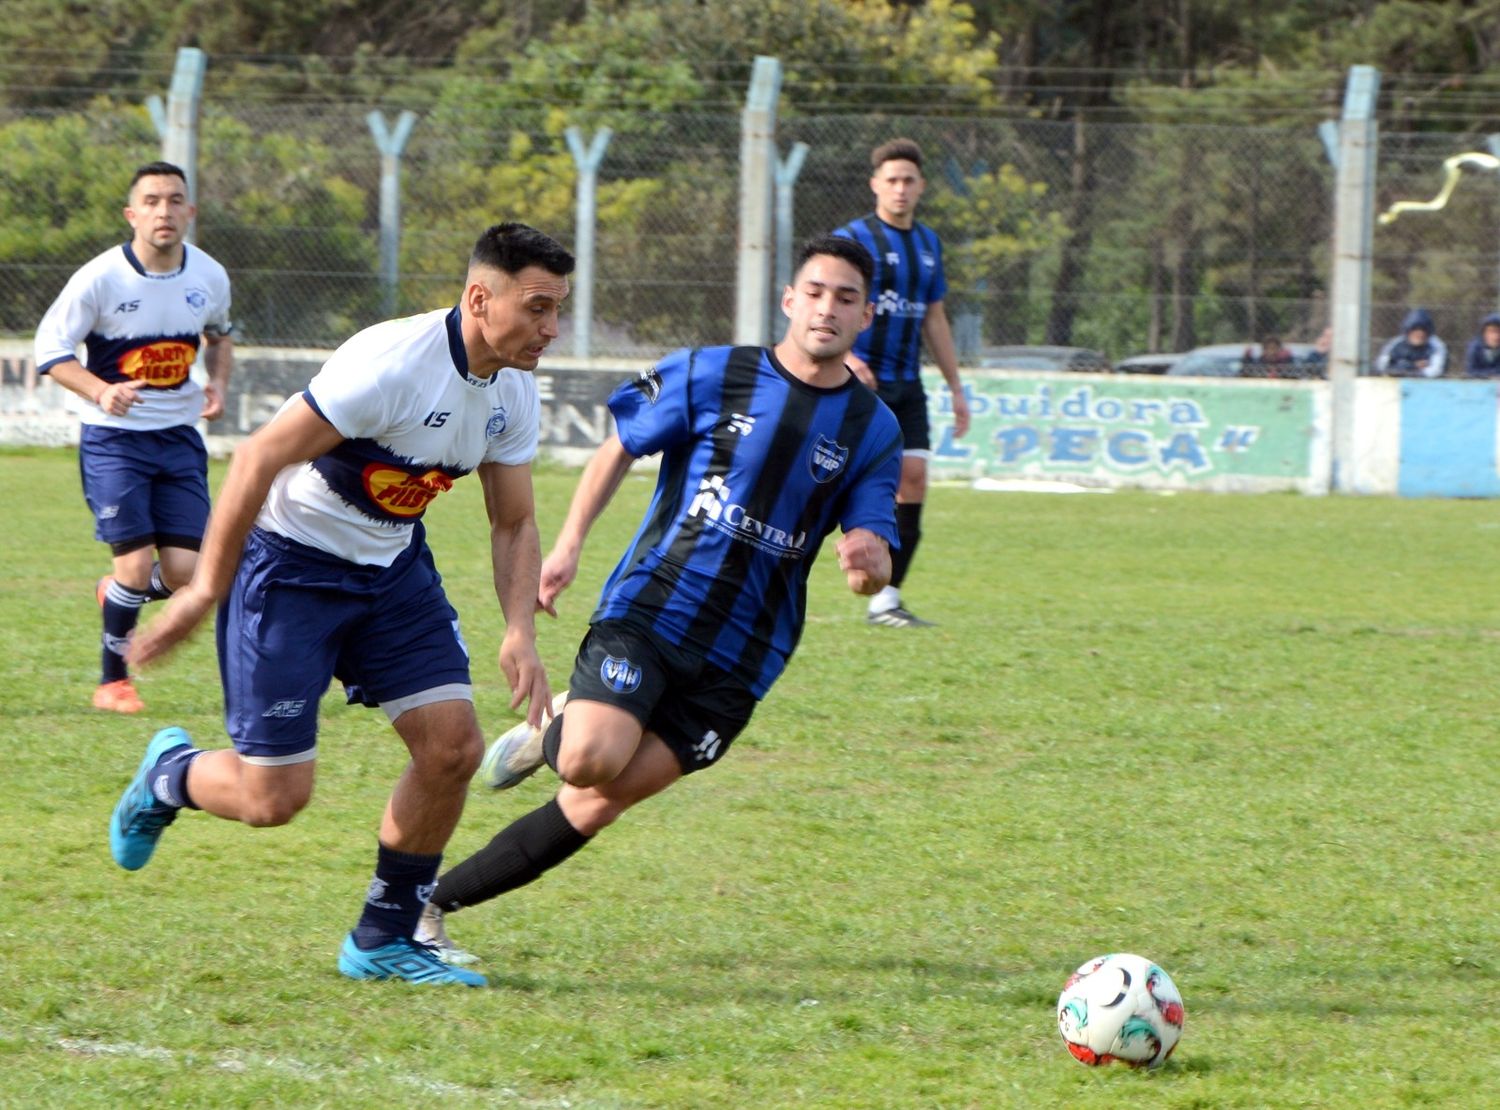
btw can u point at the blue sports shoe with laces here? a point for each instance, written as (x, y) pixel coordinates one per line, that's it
(402, 959)
(139, 817)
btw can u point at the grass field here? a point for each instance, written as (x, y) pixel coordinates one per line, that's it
(1252, 738)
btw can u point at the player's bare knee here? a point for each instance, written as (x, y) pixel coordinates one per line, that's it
(455, 760)
(586, 765)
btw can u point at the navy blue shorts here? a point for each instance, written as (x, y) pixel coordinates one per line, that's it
(696, 707)
(145, 488)
(908, 400)
(296, 617)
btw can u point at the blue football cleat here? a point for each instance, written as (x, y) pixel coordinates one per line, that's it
(139, 818)
(402, 959)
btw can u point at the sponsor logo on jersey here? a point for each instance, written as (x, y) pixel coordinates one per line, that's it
(713, 504)
(827, 460)
(498, 421)
(649, 383)
(403, 494)
(196, 299)
(740, 423)
(620, 675)
(892, 303)
(161, 365)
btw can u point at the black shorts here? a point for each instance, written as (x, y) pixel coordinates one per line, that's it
(908, 400)
(694, 706)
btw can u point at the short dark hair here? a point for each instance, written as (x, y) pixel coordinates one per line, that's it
(837, 246)
(514, 246)
(155, 169)
(903, 150)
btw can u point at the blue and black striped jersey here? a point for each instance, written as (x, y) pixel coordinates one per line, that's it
(908, 278)
(757, 468)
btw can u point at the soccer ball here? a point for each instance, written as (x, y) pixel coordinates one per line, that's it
(1120, 1007)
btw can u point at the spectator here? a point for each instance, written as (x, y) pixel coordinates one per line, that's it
(1417, 352)
(1273, 360)
(1482, 359)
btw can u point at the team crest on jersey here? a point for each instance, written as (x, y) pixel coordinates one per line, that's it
(498, 421)
(929, 259)
(400, 493)
(827, 460)
(649, 383)
(196, 299)
(620, 675)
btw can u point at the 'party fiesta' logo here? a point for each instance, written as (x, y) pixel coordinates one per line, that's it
(162, 365)
(403, 494)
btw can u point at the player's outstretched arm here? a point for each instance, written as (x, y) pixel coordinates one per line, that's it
(865, 559)
(601, 478)
(516, 555)
(295, 435)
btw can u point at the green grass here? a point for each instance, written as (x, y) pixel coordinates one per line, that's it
(1252, 738)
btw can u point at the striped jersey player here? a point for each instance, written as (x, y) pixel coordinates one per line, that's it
(140, 312)
(907, 295)
(764, 453)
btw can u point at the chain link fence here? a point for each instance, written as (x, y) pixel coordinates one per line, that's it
(1121, 238)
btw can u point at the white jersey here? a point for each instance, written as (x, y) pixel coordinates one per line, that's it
(138, 326)
(413, 420)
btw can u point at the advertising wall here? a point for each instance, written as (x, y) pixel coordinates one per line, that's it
(1129, 430)
(1412, 438)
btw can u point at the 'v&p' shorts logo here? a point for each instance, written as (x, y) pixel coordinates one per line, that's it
(620, 675)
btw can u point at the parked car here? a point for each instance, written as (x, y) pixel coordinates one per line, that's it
(1242, 360)
(1077, 359)
(1147, 364)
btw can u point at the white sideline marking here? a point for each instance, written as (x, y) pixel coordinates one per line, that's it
(234, 1061)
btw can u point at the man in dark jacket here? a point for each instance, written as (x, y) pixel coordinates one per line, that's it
(1417, 352)
(1482, 359)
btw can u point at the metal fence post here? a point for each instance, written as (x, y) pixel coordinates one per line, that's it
(787, 170)
(1353, 232)
(757, 162)
(587, 160)
(179, 138)
(390, 144)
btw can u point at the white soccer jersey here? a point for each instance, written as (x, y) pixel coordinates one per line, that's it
(138, 326)
(413, 421)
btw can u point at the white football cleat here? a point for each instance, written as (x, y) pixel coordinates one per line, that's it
(517, 753)
(431, 934)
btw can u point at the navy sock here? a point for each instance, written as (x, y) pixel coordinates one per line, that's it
(519, 853)
(158, 590)
(122, 609)
(402, 884)
(169, 779)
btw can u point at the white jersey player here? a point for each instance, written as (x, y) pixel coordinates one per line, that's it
(317, 558)
(139, 311)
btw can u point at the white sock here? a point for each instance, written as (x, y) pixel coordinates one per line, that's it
(886, 599)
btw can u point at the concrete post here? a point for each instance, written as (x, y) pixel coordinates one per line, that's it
(787, 170)
(757, 172)
(179, 136)
(587, 159)
(1353, 232)
(390, 143)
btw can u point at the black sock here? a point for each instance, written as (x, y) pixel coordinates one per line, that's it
(169, 780)
(122, 609)
(520, 853)
(909, 532)
(393, 904)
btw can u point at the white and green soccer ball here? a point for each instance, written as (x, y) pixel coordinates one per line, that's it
(1120, 1007)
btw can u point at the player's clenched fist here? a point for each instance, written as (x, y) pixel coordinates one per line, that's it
(865, 559)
